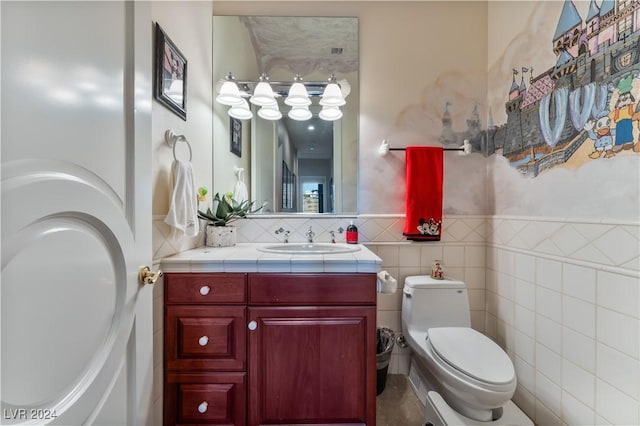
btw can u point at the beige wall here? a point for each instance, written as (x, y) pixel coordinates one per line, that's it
(188, 25)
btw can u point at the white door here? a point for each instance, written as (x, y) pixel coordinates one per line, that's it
(76, 342)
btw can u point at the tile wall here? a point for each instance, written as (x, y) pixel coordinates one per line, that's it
(562, 297)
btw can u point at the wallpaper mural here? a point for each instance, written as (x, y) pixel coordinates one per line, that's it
(571, 125)
(555, 125)
(584, 106)
(562, 116)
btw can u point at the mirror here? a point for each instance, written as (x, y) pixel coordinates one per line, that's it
(294, 166)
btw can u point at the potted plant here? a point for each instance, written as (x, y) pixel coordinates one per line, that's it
(223, 211)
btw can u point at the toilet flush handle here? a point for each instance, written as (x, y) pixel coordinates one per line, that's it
(407, 292)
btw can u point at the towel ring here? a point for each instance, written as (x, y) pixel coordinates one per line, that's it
(172, 140)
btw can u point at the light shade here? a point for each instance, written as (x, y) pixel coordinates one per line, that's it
(270, 112)
(229, 94)
(332, 96)
(300, 113)
(241, 112)
(298, 95)
(263, 95)
(329, 113)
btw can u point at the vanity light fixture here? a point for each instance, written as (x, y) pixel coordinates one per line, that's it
(241, 112)
(263, 93)
(229, 92)
(298, 95)
(332, 95)
(329, 113)
(300, 113)
(270, 112)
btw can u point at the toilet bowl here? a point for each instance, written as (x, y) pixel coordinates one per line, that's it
(467, 368)
(471, 372)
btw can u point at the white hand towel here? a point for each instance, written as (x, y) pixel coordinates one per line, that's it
(386, 283)
(183, 211)
(240, 193)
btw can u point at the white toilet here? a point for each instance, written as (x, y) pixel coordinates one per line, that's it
(456, 371)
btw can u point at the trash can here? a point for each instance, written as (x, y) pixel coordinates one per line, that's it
(384, 346)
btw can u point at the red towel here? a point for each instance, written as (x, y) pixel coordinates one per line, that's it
(424, 193)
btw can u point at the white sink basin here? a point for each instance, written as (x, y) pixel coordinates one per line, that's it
(310, 248)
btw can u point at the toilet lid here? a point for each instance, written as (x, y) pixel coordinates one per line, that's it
(472, 353)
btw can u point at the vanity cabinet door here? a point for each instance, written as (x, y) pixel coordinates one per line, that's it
(205, 338)
(312, 365)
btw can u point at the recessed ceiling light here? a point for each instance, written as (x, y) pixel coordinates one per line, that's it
(311, 127)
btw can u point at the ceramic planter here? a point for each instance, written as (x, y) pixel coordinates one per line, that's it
(220, 236)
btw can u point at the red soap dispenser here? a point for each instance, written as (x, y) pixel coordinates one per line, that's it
(352, 234)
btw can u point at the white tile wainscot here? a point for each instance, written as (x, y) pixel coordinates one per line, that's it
(563, 299)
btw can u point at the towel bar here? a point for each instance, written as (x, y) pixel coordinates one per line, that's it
(385, 148)
(172, 140)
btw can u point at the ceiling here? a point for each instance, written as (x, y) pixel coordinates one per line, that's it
(313, 144)
(304, 44)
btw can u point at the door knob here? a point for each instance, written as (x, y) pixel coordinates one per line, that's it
(146, 276)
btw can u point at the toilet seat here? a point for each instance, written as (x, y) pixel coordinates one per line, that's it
(472, 354)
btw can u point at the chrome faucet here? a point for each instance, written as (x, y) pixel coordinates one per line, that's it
(286, 234)
(333, 234)
(310, 234)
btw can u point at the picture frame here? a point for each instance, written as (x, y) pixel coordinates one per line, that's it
(235, 140)
(170, 88)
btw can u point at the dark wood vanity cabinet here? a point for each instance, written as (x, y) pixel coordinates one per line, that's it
(205, 349)
(310, 352)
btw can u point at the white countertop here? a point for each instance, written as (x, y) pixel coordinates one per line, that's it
(245, 257)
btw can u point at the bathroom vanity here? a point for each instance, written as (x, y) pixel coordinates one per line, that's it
(257, 338)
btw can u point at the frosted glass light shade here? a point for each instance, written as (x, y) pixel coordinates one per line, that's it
(270, 112)
(298, 95)
(329, 113)
(332, 96)
(229, 94)
(263, 95)
(300, 113)
(241, 112)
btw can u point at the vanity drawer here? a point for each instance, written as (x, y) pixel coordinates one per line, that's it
(205, 288)
(212, 398)
(312, 289)
(205, 338)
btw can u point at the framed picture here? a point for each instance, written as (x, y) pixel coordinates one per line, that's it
(171, 75)
(236, 137)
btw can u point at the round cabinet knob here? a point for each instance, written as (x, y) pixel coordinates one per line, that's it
(202, 408)
(252, 325)
(204, 290)
(203, 341)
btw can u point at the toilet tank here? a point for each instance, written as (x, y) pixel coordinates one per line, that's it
(429, 303)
